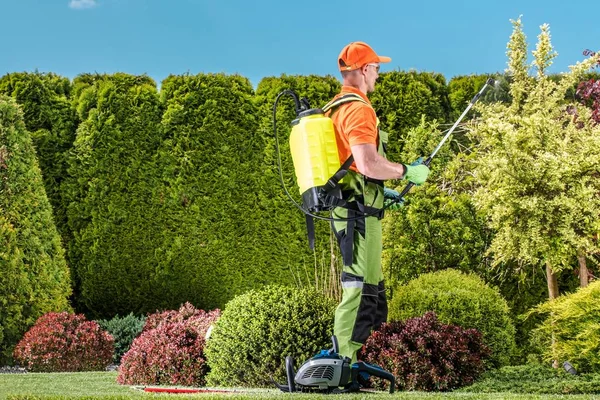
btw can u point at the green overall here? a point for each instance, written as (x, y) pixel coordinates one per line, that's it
(364, 305)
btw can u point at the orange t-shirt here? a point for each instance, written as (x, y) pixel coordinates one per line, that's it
(354, 123)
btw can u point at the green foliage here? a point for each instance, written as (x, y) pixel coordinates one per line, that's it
(123, 330)
(35, 277)
(402, 99)
(112, 192)
(462, 89)
(536, 169)
(259, 328)
(285, 225)
(215, 237)
(14, 287)
(437, 226)
(570, 331)
(48, 115)
(434, 231)
(535, 378)
(459, 299)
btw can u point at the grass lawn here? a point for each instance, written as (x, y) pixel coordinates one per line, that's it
(97, 385)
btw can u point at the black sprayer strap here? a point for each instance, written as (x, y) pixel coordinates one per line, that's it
(337, 177)
(347, 243)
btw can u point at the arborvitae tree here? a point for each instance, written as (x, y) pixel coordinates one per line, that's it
(537, 167)
(402, 98)
(14, 287)
(216, 241)
(284, 224)
(49, 116)
(35, 276)
(113, 210)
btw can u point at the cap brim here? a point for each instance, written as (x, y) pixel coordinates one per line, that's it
(383, 59)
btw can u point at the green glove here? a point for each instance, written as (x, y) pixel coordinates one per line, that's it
(416, 172)
(392, 198)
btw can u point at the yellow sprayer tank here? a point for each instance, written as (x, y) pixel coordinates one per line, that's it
(314, 149)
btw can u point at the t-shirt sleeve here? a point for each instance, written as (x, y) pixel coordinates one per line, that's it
(361, 125)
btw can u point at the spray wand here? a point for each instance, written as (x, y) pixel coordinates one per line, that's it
(489, 82)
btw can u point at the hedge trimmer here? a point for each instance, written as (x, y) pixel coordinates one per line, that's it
(330, 372)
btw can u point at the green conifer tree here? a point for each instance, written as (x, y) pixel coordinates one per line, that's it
(34, 275)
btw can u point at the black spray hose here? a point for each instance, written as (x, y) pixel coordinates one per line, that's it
(488, 83)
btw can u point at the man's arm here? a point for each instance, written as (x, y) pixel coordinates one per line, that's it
(370, 163)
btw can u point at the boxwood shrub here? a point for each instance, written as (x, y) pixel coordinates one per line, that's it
(259, 328)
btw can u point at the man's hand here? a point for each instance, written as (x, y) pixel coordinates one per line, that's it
(416, 172)
(392, 197)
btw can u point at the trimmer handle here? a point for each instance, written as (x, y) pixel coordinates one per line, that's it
(373, 370)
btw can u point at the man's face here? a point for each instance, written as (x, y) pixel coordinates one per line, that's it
(371, 74)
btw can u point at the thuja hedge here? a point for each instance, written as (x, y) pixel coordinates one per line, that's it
(49, 116)
(175, 196)
(111, 191)
(165, 194)
(34, 274)
(401, 99)
(216, 239)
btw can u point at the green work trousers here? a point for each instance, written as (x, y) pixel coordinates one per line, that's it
(363, 306)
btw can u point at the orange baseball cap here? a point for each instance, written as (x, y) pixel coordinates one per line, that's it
(357, 54)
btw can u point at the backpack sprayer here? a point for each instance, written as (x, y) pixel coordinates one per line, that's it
(316, 160)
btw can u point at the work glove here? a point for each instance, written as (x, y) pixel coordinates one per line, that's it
(392, 197)
(416, 172)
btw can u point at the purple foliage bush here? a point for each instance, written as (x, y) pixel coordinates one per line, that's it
(424, 354)
(589, 94)
(64, 342)
(170, 349)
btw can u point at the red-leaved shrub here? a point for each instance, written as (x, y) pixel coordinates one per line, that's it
(588, 93)
(424, 354)
(170, 349)
(61, 342)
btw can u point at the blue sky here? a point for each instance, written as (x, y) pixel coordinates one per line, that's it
(272, 37)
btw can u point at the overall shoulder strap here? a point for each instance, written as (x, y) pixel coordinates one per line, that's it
(347, 98)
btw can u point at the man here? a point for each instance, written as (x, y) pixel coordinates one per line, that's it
(364, 305)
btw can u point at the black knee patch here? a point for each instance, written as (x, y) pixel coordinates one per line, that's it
(366, 315)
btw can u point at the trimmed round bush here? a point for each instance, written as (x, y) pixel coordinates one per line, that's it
(123, 330)
(170, 349)
(64, 342)
(424, 354)
(459, 299)
(259, 328)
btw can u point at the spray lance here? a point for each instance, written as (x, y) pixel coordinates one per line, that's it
(488, 83)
